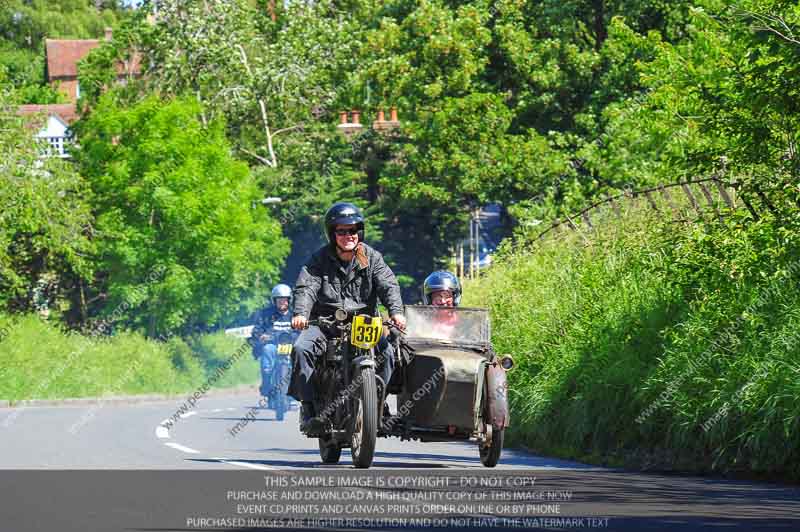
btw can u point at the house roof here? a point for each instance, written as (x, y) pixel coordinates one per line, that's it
(66, 112)
(63, 56)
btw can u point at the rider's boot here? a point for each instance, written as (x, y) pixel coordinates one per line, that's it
(386, 425)
(308, 420)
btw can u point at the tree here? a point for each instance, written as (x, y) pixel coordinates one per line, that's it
(183, 241)
(45, 221)
(260, 74)
(25, 24)
(726, 91)
(279, 94)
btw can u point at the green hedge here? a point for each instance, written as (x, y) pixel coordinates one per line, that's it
(655, 344)
(39, 360)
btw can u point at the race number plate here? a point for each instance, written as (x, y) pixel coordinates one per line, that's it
(285, 349)
(366, 331)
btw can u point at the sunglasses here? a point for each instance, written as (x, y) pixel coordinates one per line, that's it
(346, 232)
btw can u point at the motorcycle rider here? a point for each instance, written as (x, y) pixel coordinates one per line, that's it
(272, 319)
(345, 272)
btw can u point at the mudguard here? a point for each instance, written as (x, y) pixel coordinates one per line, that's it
(363, 361)
(497, 397)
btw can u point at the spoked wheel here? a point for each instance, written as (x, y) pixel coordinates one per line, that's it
(490, 453)
(365, 427)
(329, 450)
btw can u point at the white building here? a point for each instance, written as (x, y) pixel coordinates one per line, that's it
(56, 119)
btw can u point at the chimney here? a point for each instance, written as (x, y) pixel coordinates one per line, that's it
(387, 125)
(380, 123)
(350, 128)
(109, 34)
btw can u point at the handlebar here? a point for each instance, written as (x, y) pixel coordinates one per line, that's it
(394, 329)
(331, 322)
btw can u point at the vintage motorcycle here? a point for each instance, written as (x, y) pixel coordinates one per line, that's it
(279, 378)
(348, 390)
(444, 361)
(275, 377)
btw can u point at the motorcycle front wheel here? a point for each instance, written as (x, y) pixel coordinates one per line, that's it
(329, 450)
(365, 426)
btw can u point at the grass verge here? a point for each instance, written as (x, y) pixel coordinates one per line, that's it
(655, 345)
(42, 361)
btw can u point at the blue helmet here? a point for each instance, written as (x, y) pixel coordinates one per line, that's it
(441, 280)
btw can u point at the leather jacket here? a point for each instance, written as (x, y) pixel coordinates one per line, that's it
(326, 283)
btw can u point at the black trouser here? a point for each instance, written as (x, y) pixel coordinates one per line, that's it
(311, 345)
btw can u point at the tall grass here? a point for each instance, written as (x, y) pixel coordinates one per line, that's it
(38, 360)
(655, 344)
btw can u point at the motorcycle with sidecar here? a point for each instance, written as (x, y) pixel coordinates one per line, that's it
(450, 384)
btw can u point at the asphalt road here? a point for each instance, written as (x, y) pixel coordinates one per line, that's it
(119, 464)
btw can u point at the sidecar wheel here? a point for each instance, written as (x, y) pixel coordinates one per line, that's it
(365, 427)
(329, 451)
(490, 454)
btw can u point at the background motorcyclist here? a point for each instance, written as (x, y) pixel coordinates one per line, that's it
(268, 322)
(346, 272)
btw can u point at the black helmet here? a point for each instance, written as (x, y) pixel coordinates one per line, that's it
(343, 213)
(441, 280)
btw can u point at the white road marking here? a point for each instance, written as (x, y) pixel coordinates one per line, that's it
(184, 416)
(247, 464)
(162, 432)
(180, 447)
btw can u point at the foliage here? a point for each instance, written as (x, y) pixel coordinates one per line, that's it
(45, 219)
(213, 350)
(25, 71)
(278, 94)
(655, 344)
(41, 361)
(260, 75)
(502, 101)
(180, 236)
(25, 24)
(424, 51)
(724, 91)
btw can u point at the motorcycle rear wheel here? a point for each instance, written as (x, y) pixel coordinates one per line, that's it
(365, 426)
